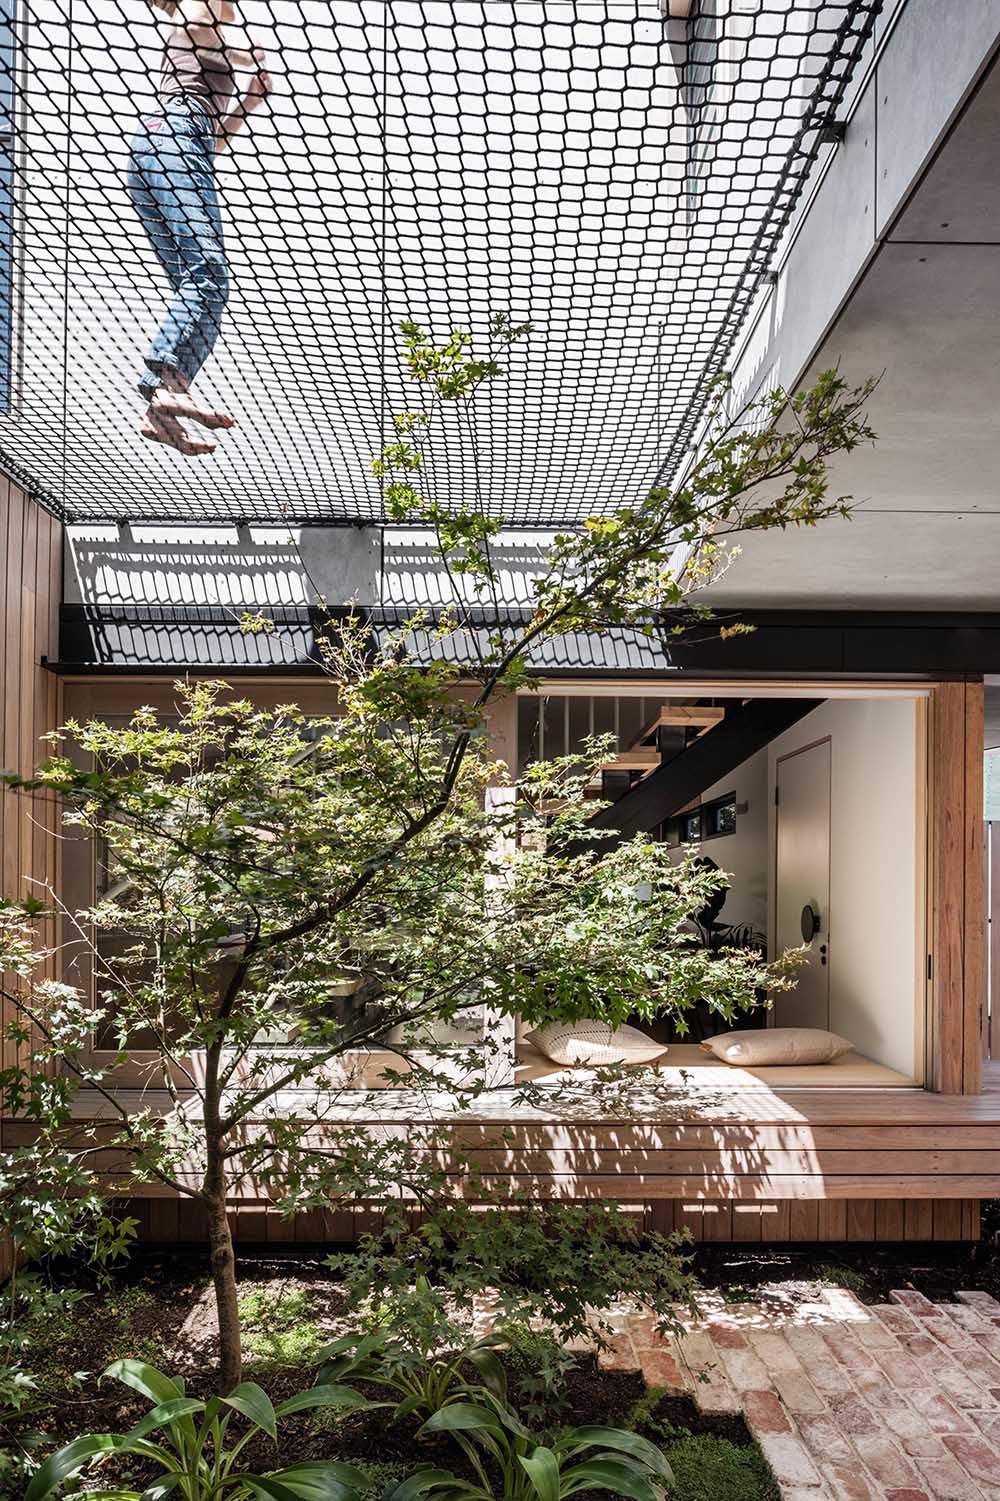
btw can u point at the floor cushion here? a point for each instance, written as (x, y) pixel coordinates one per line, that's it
(594, 1043)
(772, 1046)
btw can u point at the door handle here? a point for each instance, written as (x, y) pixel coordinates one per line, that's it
(809, 923)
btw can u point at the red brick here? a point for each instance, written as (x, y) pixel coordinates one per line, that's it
(896, 1319)
(659, 1368)
(727, 1337)
(823, 1438)
(851, 1355)
(960, 1388)
(619, 1355)
(989, 1425)
(900, 1369)
(940, 1416)
(913, 1435)
(913, 1301)
(980, 1301)
(975, 1455)
(788, 1459)
(764, 1413)
(879, 1394)
(920, 1345)
(945, 1332)
(886, 1462)
(853, 1415)
(967, 1318)
(848, 1482)
(976, 1362)
(642, 1328)
(947, 1481)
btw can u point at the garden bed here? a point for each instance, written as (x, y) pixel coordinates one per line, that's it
(160, 1309)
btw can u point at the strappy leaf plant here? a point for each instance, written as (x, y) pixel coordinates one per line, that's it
(512, 1465)
(191, 1443)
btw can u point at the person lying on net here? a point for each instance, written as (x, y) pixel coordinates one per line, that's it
(171, 182)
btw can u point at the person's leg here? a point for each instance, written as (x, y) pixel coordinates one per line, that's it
(172, 187)
(145, 189)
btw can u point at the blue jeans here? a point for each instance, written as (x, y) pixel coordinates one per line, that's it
(171, 181)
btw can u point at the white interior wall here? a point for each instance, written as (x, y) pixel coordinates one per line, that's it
(874, 865)
(743, 854)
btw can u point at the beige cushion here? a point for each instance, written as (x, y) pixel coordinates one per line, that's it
(594, 1043)
(772, 1046)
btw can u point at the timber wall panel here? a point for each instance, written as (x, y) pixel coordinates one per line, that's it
(179, 1222)
(958, 921)
(30, 701)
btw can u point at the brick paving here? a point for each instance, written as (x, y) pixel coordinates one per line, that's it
(897, 1402)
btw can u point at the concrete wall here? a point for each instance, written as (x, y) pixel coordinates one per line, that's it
(875, 860)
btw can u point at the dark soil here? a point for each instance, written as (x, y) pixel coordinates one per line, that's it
(160, 1310)
(746, 1273)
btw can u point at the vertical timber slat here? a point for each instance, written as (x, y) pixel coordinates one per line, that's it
(974, 917)
(30, 593)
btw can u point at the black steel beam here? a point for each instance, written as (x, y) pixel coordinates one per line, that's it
(782, 643)
(746, 729)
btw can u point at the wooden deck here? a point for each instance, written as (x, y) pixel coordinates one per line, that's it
(699, 1143)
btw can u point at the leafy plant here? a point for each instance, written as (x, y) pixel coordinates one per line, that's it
(38, 1316)
(555, 1265)
(581, 1459)
(420, 1357)
(198, 1457)
(706, 1468)
(538, 1364)
(841, 1276)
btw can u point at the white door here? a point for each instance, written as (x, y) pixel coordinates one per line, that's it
(803, 881)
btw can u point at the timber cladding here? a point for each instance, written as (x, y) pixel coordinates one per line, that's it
(957, 918)
(31, 700)
(178, 1221)
(30, 706)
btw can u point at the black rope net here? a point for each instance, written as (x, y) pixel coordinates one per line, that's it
(619, 179)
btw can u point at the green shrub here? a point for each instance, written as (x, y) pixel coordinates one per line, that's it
(840, 1276)
(496, 1444)
(713, 1469)
(277, 1328)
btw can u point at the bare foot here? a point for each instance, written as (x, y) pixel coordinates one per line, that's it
(166, 403)
(158, 428)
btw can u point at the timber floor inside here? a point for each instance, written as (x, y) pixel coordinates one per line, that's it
(688, 1065)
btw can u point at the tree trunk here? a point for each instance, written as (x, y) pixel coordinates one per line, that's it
(223, 1263)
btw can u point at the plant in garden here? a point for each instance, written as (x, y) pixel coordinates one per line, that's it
(553, 1265)
(538, 1363)
(256, 858)
(579, 1459)
(278, 1328)
(192, 1444)
(420, 1359)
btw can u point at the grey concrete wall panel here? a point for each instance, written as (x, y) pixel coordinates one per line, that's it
(835, 241)
(958, 202)
(931, 562)
(932, 59)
